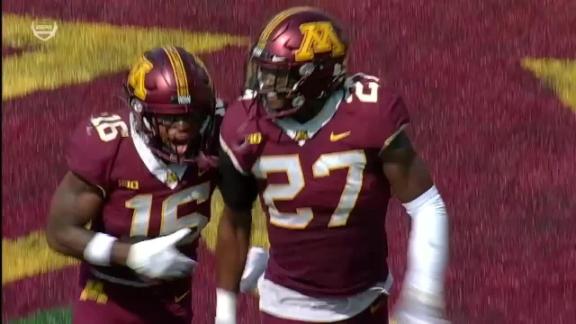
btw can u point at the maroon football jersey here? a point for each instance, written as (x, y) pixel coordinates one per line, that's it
(139, 203)
(322, 186)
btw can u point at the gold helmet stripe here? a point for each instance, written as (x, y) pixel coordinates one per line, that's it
(277, 20)
(179, 71)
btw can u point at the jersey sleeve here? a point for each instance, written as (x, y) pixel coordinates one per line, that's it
(92, 148)
(239, 138)
(391, 120)
(380, 113)
(238, 191)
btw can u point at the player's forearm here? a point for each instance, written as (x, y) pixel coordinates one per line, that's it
(232, 247)
(428, 244)
(72, 241)
(68, 239)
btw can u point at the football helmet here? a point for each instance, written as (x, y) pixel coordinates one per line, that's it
(169, 85)
(299, 56)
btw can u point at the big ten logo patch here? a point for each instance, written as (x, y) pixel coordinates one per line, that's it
(254, 138)
(129, 184)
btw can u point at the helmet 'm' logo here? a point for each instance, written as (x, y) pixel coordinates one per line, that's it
(319, 37)
(137, 76)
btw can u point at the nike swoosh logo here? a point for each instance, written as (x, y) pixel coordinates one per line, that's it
(178, 299)
(337, 137)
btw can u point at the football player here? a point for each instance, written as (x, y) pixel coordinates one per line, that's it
(324, 150)
(137, 193)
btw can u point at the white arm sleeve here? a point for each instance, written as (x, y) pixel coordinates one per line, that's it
(428, 243)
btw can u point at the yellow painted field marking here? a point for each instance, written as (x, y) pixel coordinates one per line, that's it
(559, 75)
(30, 256)
(82, 51)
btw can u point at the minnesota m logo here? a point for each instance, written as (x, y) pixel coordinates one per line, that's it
(319, 37)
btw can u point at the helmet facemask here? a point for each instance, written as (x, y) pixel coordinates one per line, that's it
(154, 128)
(284, 89)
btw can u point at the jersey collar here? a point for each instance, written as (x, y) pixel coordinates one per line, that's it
(301, 132)
(167, 174)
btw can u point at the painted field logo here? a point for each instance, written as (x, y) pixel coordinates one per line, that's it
(44, 30)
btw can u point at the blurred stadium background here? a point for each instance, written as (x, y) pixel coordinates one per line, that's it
(491, 87)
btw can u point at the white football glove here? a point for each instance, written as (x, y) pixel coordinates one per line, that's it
(415, 307)
(256, 262)
(158, 258)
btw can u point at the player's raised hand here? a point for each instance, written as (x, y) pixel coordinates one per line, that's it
(159, 258)
(414, 307)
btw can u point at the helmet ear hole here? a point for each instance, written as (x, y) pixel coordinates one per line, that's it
(338, 69)
(306, 69)
(136, 105)
(298, 101)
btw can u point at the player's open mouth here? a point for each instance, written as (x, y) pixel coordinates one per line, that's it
(181, 148)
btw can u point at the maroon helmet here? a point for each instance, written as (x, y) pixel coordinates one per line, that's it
(166, 85)
(299, 55)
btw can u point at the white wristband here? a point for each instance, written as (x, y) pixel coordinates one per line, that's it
(225, 305)
(99, 250)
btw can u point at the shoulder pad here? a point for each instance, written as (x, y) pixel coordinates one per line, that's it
(239, 136)
(382, 108)
(94, 145)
